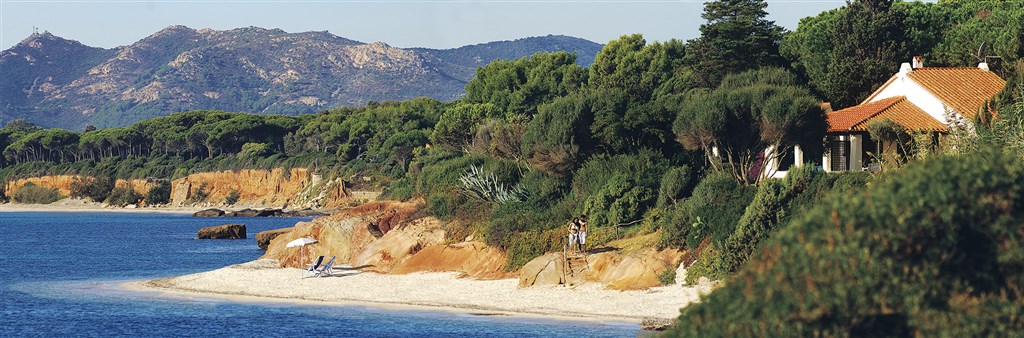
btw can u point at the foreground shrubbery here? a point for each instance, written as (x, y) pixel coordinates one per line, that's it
(932, 250)
(34, 194)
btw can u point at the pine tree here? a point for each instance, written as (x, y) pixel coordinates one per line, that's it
(870, 43)
(736, 38)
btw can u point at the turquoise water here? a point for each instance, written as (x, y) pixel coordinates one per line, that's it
(59, 274)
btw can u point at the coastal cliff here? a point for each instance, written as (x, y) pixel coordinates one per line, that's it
(292, 188)
(63, 183)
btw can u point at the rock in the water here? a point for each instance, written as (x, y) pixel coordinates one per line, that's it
(209, 213)
(263, 238)
(258, 213)
(224, 231)
(303, 213)
(656, 324)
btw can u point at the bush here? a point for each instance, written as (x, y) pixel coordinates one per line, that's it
(717, 204)
(618, 189)
(667, 277)
(33, 194)
(232, 198)
(122, 196)
(708, 264)
(933, 250)
(159, 194)
(676, 184)
(96, 189)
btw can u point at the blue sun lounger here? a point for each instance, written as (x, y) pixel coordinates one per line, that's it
(316, 265)
(326, 269)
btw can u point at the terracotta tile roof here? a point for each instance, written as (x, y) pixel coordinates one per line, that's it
(844, 119)
(963, 89)
(896, 109)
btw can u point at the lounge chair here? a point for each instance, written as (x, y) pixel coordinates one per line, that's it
(326, 269)
(313, 267)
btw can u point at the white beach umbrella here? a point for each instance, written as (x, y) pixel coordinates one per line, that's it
(300, 243)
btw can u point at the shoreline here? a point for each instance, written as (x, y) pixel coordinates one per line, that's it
(18, 207)
(261, 281)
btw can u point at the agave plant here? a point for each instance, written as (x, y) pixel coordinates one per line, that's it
(485, 187)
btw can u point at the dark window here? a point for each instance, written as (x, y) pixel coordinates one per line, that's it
(839, 152)
(786, 160)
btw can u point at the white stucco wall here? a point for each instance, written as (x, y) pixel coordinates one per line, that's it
(903, 85)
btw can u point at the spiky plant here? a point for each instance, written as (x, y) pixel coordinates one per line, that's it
(485, 187)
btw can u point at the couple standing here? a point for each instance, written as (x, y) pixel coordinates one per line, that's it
(578, 234)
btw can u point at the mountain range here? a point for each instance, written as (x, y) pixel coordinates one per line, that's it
(56, 82)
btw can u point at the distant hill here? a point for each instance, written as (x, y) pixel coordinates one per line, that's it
(57, 82)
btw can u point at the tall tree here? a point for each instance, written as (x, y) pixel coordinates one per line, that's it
(870, 43)
(746, 115)
(736, 37)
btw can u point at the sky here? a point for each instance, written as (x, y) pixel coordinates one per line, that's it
(399, 23)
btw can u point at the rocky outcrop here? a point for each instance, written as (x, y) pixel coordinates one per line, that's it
(395, 246)
(636, 270)
(656, 324)
(474, 259)
(208, 213)
(263, 238)
(544, 270)
(224, 231)
(276, 187)
(247, 212)
(410, 244)
(344, 234)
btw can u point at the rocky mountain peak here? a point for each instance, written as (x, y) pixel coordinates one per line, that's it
(56, 82)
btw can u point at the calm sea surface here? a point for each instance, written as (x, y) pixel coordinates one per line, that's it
(59, 274)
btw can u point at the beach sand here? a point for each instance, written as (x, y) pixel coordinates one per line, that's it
(78, 205)
(262, 280)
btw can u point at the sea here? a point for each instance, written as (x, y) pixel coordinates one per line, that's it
(60, 275)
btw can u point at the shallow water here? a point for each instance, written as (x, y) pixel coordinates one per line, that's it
(59, 274)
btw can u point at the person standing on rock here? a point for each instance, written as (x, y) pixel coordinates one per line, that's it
(574, 231)
(582, 235)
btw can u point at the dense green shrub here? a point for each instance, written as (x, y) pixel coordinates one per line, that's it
(618, 189)
(34, 194)
(712, 211)
(933, 250)
(159, 194)
(96, 189)
(708, 264)
(122, 196)
(676, 184)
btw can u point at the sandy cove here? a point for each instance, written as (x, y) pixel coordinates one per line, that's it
(76, 205)
(263, 280)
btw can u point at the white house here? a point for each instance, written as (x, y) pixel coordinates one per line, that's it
(921, 99)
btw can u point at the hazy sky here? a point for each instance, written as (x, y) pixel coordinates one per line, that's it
(434, 24)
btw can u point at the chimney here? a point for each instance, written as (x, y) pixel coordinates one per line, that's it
(983, 66)
(905, 68)
(918, 62)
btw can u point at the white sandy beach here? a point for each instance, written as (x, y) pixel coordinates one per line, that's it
(435, 290)
(77, 205)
